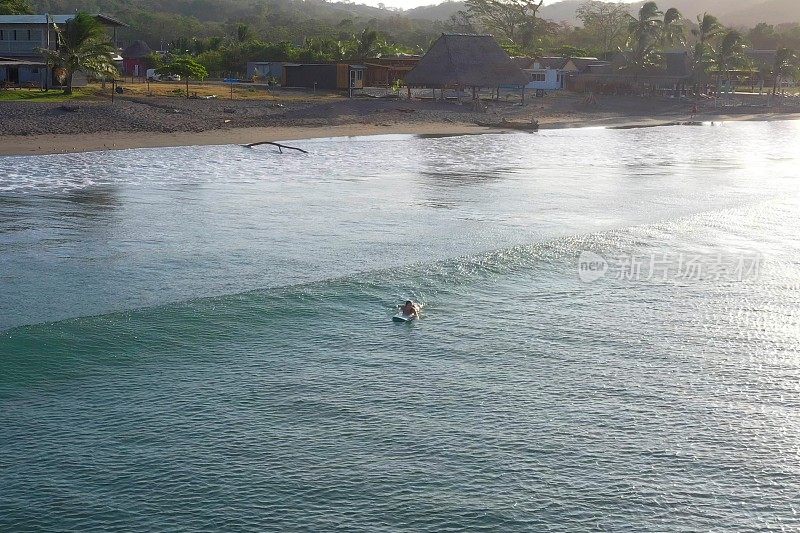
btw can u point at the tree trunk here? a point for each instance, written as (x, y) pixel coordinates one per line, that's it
(187, 87)
(68, 88)
(775, 85)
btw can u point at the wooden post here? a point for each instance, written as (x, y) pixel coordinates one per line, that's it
(408, 87)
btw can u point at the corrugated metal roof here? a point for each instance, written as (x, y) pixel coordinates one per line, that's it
(20, 63)
(554, 63)
(34, 19)
(57, 19)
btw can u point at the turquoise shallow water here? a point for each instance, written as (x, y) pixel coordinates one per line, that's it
(199, 338)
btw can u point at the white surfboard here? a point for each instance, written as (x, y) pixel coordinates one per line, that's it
(400, 317)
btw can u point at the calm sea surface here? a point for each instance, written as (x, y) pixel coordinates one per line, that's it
(200, 338)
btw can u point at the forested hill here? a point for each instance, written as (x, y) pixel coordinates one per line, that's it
(273, 20)
(746, 13)
(166, 21)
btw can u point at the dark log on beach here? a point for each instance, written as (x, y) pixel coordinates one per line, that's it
(509, 125)
(280, 146)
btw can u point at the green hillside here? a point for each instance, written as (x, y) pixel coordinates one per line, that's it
(165, 21)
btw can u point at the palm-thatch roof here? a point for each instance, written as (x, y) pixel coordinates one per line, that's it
(467, 61)
(137, 50)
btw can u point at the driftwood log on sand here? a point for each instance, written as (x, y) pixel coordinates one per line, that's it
(533, 125)
(280, 146)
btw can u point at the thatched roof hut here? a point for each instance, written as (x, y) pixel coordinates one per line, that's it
(137, 50)
(466, 61)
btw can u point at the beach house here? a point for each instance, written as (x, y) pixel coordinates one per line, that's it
(554, 73)
(325, 76)
(21, 38)
(544, 73)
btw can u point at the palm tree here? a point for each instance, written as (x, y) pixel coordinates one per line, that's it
(786, 63)
(647, 27)
(729, 54)
(82, 45)
(644, 33)
(708, 27)
(702, 61)
(672, 29)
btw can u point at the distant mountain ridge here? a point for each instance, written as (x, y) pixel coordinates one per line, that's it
(739, 12)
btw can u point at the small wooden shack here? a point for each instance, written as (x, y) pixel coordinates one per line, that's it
(385, 71)
(266, 70)
(463, 61)
(326, 76)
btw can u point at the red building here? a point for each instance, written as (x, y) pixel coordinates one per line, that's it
(134, 59)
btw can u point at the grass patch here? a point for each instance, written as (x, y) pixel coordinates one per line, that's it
(177, 89)
(53, 95)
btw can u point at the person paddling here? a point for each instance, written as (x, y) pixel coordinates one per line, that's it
(410, 309)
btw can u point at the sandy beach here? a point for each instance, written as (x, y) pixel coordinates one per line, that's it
(46, 128)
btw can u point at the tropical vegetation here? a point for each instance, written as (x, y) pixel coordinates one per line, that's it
(15, 7)
(82, 45)
(185, 67)
(223, 36)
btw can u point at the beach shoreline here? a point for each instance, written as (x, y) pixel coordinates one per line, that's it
(93, 142)
(88, 126)
(47, 144)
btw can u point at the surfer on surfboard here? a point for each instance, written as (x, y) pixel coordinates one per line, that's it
(410, 309)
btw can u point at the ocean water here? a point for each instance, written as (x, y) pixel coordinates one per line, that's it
(200, 338)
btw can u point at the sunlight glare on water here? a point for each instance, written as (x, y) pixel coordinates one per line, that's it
(200, 338)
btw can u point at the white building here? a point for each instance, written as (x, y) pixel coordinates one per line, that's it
(552, 73)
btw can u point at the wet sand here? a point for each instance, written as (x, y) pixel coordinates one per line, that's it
(32, 128)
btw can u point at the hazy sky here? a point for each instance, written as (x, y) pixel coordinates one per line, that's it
(407, 4)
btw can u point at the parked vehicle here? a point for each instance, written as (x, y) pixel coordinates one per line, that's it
(152, 75)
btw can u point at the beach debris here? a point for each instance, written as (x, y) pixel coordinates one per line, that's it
(533, 125)
(280, 146)
(656, 125)
(69, 108)
(229, 110)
